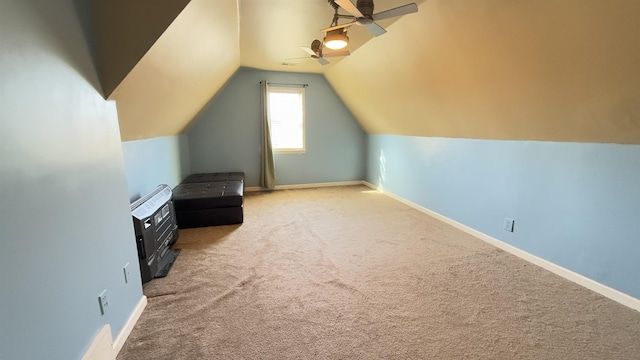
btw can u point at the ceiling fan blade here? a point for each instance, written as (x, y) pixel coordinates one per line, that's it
(375, 29)
(336, 53)
(398, 11)
(350, 8)
(321, 61)
(308, 50)
(339, 26)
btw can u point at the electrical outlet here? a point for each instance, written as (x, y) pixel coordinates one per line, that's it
(127, 273)
(508, 224)
(103, 302)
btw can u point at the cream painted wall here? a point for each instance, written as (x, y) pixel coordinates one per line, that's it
(186, 66)
(536, 70)
(125, 31)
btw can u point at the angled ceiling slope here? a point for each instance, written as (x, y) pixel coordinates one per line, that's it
(163, 60)
(485, 69)
(174, 79)
(125, 32)
(524, 70)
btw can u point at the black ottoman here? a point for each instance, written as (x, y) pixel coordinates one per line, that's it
(209, 199)
(214, 177)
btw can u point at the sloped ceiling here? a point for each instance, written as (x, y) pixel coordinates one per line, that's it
(527, 70)
(192, 59)
(557, 70)
(122, 40)
(162, 79)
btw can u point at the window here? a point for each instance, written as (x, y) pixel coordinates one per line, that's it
(286, 113)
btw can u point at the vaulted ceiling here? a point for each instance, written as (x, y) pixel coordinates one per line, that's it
(558, 70)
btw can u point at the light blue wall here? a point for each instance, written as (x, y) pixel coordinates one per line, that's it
(65, 223)
(151, 162)
(574, 204)
(227, 135)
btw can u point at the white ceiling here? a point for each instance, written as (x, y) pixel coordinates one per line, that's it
(272, 32)
(554, 70)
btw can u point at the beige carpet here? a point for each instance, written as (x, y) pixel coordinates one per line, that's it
(348, 273)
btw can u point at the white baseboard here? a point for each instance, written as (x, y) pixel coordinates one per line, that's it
(364, 182)
(308, 186)
(581, 280)
(128, 327)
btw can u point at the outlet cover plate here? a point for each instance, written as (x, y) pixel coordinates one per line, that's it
(508, 224)
(127, 273)
(103, 302)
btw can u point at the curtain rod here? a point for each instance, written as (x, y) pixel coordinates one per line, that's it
(287, 84)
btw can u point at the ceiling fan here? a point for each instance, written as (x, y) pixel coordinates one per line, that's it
(317, 54)
(362, 14)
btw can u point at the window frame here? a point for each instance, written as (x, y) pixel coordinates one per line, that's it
(296, 90)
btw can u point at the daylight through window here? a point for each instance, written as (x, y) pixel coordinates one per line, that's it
(286, 113)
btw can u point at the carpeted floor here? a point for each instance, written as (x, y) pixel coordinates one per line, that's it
(348, 273)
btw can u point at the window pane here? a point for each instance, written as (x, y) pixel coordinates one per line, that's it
(286, 111)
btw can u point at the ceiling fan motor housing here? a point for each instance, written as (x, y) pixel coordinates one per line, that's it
(365, 7)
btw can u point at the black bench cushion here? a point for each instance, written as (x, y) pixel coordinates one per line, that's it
(208, 195)
(214, 177)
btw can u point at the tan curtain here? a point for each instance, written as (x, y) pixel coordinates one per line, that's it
(267, 163)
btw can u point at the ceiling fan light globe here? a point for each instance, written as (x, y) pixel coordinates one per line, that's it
(335, 44)
(336, 39)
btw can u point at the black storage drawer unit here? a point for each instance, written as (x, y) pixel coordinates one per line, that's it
(209, 199)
